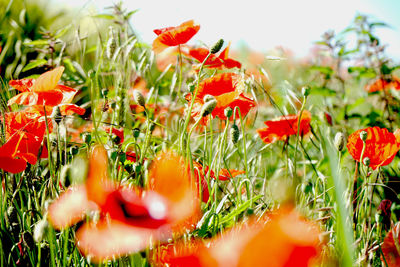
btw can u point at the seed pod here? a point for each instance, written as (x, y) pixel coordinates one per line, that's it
(228, 112)
(339, 141)
(208, 98)
(366, 161)
(138, 97)
(217, 46)
(234, 134)
(363, 136)
(208, 107)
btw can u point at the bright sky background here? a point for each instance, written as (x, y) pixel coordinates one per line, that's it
(294, 24)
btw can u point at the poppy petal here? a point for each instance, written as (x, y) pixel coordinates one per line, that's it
(48, 80)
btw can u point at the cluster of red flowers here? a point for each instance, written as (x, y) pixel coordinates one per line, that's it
(25, 129)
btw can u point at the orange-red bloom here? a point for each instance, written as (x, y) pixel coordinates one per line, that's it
(228, 90)
(285, 239)
(129, 218)
(217, 62)
(383, 84)
(381, 146)
(42, 91)
(391, 251)
(173, 36)
(285, 126)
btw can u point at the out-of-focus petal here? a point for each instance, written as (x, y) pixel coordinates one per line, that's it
(48, 80)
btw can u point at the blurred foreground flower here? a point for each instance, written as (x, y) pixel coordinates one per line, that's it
(285, 126)
(228, 90)
(381, 146)
(391, 248)
(129, 219)
(173, 36)
(285, 239)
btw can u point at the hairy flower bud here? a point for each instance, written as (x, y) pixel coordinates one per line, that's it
(228, 112)
(208, 107)
(87, 138)
(56, 114)
(208, 98)
(104, 92)
(234, 134)
(339, 141)
(363, 136)
(305, 90)
(366, 161)
(217, 46)
(138, 97)
(40, 230)
(136, 132)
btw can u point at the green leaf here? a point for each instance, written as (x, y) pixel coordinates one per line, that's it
(34, 64)
(62, 32)
(322, 91)
(68, 63)
(323, 69)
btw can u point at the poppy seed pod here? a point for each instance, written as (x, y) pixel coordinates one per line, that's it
(208, 98)
(138, 97)
(217, 46)
(339, 141)
(136, 132)
(363, 136)
(208, 107)
(234, 134)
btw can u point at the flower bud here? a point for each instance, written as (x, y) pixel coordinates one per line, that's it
(40, 230)
(136, 132)
(208, 98)
(366, 161)
(363, 136)
(73, 150)
(339, 141)
(87, 138)
(228, 112)
(208, 107)
(56, 114)
(217, 46)
(104, 92)
(305, 90)
(138, 97)
(234, 134)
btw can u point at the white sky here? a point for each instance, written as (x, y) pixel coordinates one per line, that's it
(294, 24)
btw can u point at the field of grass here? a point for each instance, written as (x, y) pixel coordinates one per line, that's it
(115, 152)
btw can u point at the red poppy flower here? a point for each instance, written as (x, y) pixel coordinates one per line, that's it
(11, 159)
(228, 90)
(381, 146)
(116, 131)
(285, 239)
(41, 91)
(285, 126)
(383, 84)
(173, 36)
(391, 251)
(217, 62)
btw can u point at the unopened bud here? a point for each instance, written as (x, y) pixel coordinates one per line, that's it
(366, 161)
(363, 136)
(138, 97)
(40, 230)
(208, 107)
(339, 141)
(208, 98)
(87, 138)
(136, 132)
(234, 134)
(228, 112)
(104, 92)
(56, 114)
(217, 46)
(305, 90)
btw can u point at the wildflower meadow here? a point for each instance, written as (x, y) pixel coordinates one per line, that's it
(118, 152)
